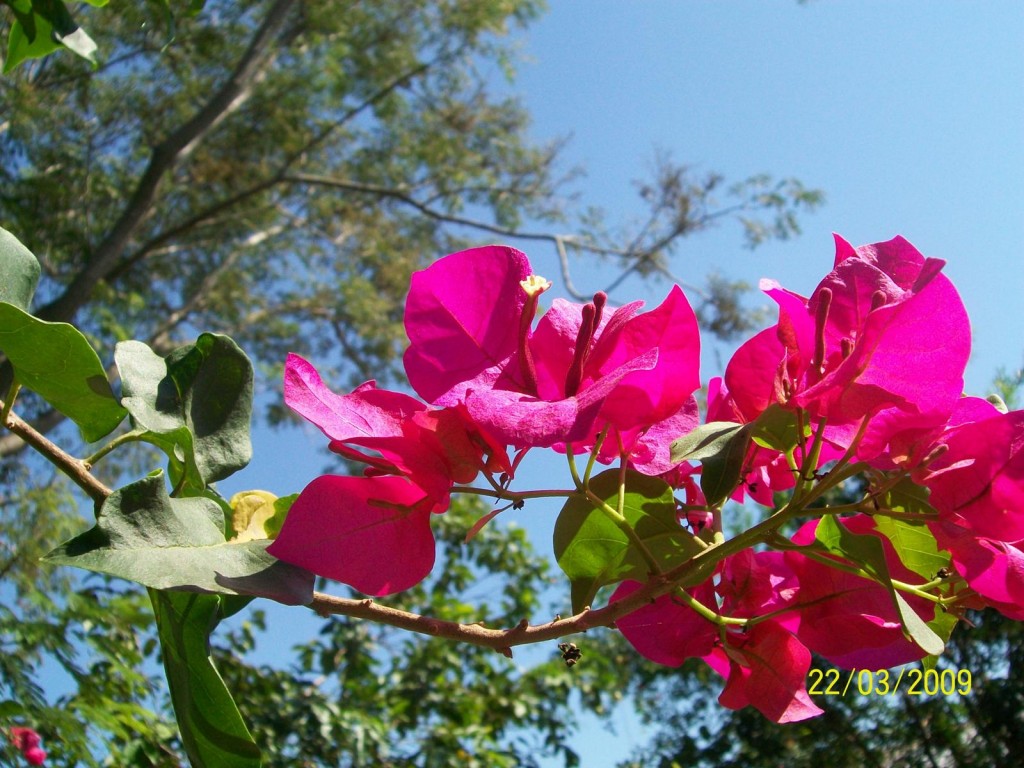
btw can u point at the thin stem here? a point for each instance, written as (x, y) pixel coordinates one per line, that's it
(573, 470)
(718, 536)
(592, 461)
(12, 393)
(810, 464)
(707, 613)
(505, 493)
(127, 437)
(694, 570)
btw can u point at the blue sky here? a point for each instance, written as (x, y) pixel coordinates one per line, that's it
(908, 115)
(912, 123)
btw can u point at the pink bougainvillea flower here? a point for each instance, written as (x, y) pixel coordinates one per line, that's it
(850, 620)
(857, 346)
(978, 481)
(766, 471)
(463, 317)
(992, 568)
(550, 386)
(765, 665)
(650, 450)
(26, 741)
(433, 447)
(666, 631)
(373, 532)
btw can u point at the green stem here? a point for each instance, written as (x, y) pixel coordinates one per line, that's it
(593, 456)
(711, 615)
(12, 393)
(718, 536)
(573, 470)
(810, 463)
(127, 437)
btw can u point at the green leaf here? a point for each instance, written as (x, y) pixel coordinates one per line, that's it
(913, 542)
(721, 447)
(594, 551)
(720, 474)
(56, 361)
(212, 730)
(196, 406)
(777, 428)
(10, 708)
(42, 27)
(143, 535)
(29, 42)
(942, 625)
(705, 441)
(214, 381)
(20, 270)
(867, 551)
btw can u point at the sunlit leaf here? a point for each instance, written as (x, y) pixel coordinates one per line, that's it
(212, 730)
(56, 361)
(143, 535)
(20, 270)
(196, 405)
(594, 551)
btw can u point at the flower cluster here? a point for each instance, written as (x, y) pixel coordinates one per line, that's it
(494, 383)
(863, 377)
(26, 741)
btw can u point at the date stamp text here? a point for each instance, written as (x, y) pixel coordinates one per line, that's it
(912, 681)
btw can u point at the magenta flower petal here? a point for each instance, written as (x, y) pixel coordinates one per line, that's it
(372, 533)
(896, 343)
(993, 569)
(851, 620)
(366, 412)
(650, 452)
(752, 374)
(648, 396)
(527, 422)
(795, 329)
(979, 481)
(462, 317)
(768, 670)
(666, 631)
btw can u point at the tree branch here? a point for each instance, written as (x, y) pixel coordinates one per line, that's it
(165, 156)
(76, 469)
(12, 443)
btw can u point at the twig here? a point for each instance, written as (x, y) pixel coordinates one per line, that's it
(74, 468)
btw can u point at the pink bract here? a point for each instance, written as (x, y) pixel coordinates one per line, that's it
(857, 346)
(462, 318)
(979, 481)
(372, 533)
(580, 369)
(764, 666)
